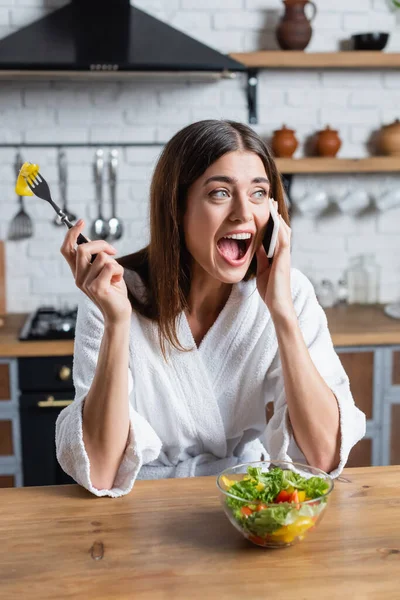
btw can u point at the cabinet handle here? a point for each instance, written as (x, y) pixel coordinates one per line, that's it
(50, 402)
(64, 373)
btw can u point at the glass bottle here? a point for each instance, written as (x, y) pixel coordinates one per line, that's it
(357, 281)
(326, 293)
(373, 270)
(342, 292)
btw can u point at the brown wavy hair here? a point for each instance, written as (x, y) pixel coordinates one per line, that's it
(165, 264)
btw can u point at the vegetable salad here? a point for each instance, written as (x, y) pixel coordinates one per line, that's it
(289, 519)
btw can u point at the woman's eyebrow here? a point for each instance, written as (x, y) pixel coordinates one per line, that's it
(261, 180)
(232, 180)
(222, 178)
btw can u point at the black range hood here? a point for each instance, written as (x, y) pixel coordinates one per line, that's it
(108, 38)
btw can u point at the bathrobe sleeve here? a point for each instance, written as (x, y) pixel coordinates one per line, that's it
(143, 443)
(279, 439)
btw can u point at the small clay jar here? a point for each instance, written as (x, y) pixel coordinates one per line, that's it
(327, 142)
(389, 139)
(284, 142)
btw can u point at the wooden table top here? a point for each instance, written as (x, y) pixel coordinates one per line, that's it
(352, 325)
(362, 325)
(170, 540)
(10, 345)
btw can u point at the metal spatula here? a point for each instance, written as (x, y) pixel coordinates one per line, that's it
(21, 226)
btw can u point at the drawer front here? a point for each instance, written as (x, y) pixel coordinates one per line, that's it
(40, 465)
(45, 374)
(5, 382)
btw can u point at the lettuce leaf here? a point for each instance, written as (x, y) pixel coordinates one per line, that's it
(264, 487)
(268, 520)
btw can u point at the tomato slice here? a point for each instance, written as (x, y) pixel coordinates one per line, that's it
(256, 539)
(283, 496)
(246, 511)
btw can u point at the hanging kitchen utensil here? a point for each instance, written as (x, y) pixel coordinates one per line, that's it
(115, 225)
(62, 175)
(100, 229)
(21, 226)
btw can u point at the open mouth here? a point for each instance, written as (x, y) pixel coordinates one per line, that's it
(233, 248)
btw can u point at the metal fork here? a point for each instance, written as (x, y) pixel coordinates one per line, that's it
(21, 226)
(39, 186)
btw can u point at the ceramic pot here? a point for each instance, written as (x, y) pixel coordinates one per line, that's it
(327, 142)
(294, 30)
(284, 142)
(389, 139)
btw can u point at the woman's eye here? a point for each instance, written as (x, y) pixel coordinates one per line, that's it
(260, 193)
(220, 193)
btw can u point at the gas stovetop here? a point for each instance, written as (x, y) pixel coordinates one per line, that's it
(48, 323)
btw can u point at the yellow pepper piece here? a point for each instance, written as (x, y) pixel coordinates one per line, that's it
(27, 170)
(227, 482)
(259, 487)
(302, 496)
(287, 533)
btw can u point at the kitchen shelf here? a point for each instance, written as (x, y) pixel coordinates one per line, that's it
(373, 164)
(269, 59)
(275, 59)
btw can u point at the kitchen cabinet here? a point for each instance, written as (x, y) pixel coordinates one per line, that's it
(374, 374)
(367, 341)
(45, 388)
(10, 443)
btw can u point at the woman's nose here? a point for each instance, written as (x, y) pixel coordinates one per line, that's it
(241, 211)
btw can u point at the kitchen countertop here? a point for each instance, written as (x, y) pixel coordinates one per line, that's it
(169, 540)
(353, 325)
(10, 345)
(362, 325)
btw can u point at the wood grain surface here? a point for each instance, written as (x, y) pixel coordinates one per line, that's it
(169, 540)
(2, 279)
(362, 325)
(11, 346)
(354, 325)
(317, 164)
(273, 59)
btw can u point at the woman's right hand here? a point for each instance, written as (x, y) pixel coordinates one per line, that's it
(102, 281)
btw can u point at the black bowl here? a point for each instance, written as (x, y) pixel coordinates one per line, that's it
(370, 41)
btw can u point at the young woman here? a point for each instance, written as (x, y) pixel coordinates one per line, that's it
(180, 346)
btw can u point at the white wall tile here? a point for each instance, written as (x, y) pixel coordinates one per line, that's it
(153, 108)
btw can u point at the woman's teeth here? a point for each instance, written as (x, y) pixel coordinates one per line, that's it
(238, 236)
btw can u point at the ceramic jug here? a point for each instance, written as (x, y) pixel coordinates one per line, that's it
(294, 30)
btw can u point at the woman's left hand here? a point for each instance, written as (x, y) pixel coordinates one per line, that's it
(273, 281)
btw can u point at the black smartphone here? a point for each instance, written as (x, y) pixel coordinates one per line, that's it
(271, 231)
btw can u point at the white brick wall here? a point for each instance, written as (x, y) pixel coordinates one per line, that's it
(357, 103)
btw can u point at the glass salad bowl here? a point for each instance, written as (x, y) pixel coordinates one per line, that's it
(274, 504)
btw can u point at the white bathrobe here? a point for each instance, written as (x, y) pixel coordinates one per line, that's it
(204, 410)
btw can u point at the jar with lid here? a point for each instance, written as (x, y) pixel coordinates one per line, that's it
(357, 281)
(326, 293)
